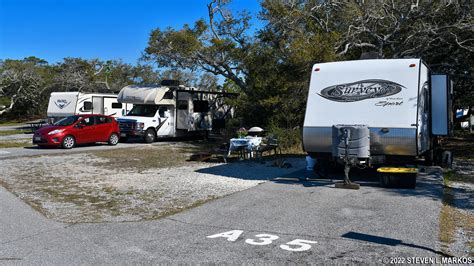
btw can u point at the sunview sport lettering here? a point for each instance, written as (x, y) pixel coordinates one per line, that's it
(361, 90)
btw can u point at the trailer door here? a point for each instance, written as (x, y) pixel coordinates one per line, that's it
(423, 137)
(97, 105)
(112, 107)
(441, 105)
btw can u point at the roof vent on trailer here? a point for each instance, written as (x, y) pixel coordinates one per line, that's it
(170, 83)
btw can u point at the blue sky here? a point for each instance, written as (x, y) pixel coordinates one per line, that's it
(105, 29)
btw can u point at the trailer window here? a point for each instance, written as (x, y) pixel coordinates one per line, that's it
(201, 106)
(116, 106)
(87, 106)
(182, 105)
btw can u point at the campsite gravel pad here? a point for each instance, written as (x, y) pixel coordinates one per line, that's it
(85, 188)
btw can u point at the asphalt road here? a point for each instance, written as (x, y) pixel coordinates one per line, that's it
(340, 226)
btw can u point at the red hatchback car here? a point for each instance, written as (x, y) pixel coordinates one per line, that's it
(78, 129)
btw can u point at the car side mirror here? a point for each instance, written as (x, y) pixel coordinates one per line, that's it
(80, 126)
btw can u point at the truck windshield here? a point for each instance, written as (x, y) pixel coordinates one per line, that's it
(67, 121)
(143, 110)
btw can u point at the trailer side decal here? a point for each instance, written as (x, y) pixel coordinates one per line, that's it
(61, 103)
(361, 90)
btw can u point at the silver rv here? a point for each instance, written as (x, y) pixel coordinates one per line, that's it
(394, 109)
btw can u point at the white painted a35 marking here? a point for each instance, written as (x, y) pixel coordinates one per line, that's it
(266, 239)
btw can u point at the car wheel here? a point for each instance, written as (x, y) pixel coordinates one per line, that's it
(68, 142)
(113, 139)
(150, 135)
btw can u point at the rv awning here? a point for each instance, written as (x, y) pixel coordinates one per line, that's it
(144, 95)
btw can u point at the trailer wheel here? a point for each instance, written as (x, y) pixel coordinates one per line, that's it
(321, 169)
(113, 139)
(68, 142)
(150, 135)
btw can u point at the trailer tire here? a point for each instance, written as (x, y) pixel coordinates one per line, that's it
(321, 169)
(113, 139)
(150, 135)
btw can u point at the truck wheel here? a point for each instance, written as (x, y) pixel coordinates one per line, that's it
(113, 139)
(150, 136)
(68, 142)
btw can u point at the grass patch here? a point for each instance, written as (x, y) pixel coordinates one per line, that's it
(461, 147)
(15, 144)
(451, 218)
(452, 176)
(10, 123)
(13, 132)
(144, 159)
(447, 222)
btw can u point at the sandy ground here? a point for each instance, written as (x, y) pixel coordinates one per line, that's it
(89, 188)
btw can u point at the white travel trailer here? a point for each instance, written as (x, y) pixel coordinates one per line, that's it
(62, 104)
(169, 110)
(382, 111)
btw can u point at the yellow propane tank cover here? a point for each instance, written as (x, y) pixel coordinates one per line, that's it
(397, 170)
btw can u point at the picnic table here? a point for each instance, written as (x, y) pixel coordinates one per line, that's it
(244, 146)
(36, 124)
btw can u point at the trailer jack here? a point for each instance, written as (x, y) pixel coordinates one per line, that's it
(348, 162)
(347, 184)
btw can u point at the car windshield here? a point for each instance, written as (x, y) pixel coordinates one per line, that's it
(143, 110)
(67, 121)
